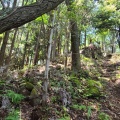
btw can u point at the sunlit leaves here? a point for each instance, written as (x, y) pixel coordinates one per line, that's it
(107, 15)
(44, 18)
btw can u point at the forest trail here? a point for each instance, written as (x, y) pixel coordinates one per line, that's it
(111, 72)
(108, 104)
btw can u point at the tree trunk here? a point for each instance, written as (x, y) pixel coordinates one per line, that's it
(2, 51)
(85, 38)
(37, 48)
(14, 3)
(11, 48)
(113, 43)
(66, 48)
(54, 46)
(118, 39)
(25, 50)
(75, 41)
(45, 97)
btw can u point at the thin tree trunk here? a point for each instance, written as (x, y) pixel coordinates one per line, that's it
(25, 50)
(113, 43)
(14, 3)
(85, 38)
(11, 48)
(54, 46)
(1, 40)
(45, 96)
(37, 48)
(66, 48)
(3, 4)
(4, 44)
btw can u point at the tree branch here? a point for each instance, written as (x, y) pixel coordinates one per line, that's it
(21, 15)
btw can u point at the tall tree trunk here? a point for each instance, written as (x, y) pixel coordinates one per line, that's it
(2, 51)
(75, 41)
(54, 46)
(1, 40)
(37, 48)
(85, 38)
(113, 43)
(66, 48)
(118, 39)
(11, 48)
(25, 50)
(14, 3)
(45, 96)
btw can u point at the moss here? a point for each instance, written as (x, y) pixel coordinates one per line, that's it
(33, 92)
(29, 86)
(93, 89)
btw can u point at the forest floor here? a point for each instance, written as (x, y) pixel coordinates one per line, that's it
(101, 104)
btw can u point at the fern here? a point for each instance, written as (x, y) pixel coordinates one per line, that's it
(15, 98)
(14, 115)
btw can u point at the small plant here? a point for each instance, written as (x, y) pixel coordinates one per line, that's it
(93, 89)
(14, 115)
(103, 116)
(15, 98)
(84, 108)
(65, 118)
(53, 99)
(64, 114)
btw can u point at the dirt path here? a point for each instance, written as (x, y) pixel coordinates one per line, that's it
(111, 105)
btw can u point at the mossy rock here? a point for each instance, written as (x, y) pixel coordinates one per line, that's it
(93, 89)
(29, 86)
(34, 93)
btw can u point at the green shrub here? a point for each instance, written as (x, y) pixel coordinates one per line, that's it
(65, 118)
(93, 88)
(103, 116)
(14, 115)
(88, 109)
(15, 98)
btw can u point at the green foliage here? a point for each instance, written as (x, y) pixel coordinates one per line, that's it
(15, 98)
(4, 86)
(33, 92)
(107, 15)
(44, 18)
(54, 99)
(103, 116)
(93, 89)
(84, 108)
(14, 115)
(29, 85)
(74, 79)
(65, 115)
(65, 118)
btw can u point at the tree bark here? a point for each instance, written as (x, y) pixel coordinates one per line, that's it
(45, 97)
(75, 41)
(25, 50)
(21, 15)
(11, 48)
(2, 51)
(37, 47)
